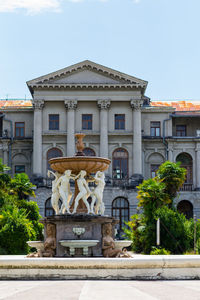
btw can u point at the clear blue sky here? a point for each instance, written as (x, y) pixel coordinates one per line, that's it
(155, 40)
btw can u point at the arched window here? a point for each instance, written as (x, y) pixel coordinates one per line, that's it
(185, 207)
(89, 152)
(120, 210)
(120, 164)
(186, 162)
(49, 211)
(53, 153)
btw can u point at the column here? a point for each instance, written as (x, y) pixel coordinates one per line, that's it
(104, 105)
(70, 105)
(137, 136)
(170, 154)
(5, 153)
(198, 166)
(37, 137)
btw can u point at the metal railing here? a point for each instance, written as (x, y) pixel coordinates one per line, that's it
(127, 183)
(187, 187)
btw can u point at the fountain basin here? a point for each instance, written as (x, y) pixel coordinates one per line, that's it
(91, 164)
(78, 244)
(39, 245)
(120, 244)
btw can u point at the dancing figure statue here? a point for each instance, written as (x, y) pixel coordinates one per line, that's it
(84, 191)
(64, 190)
(55, 192)
(97, 194)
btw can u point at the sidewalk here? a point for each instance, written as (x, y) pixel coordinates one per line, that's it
(99, 290)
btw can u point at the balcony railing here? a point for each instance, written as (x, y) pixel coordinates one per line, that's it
(128, 183)
(187, 187)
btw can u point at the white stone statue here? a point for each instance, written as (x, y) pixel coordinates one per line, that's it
(84, 191)
(64, 190)
(97, 194)
(55, 192)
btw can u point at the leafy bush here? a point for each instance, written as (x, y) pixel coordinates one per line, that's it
(159, 251)
(32, 211)
(175, 230)
(15, 230)
(19, 218)
(155, 197)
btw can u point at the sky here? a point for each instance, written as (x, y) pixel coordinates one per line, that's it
(154, 40)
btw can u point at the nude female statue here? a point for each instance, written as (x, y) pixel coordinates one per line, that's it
(64, 190)
(97, 194)
(84, 191)
(55, 192)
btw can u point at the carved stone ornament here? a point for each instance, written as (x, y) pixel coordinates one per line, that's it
(136, 104)
(38, 104)
(71, 104)
(103, 104)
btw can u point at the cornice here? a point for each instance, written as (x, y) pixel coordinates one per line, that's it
(85, 86)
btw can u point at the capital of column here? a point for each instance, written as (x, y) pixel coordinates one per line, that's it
(71, 104)
(5, 147)
(103, 104)
(136, 104)
(38, 104)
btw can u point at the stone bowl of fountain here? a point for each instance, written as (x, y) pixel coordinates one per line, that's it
(77, 226)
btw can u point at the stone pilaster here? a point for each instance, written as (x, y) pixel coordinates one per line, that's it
(170, 154)
(104, 106)
(71, 106)
(37, 137)
(5, 153)
(198, 166)
(137, 136)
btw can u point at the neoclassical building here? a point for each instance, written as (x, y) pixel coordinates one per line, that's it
(120, 123)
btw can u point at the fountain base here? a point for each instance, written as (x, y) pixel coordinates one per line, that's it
(78, 227)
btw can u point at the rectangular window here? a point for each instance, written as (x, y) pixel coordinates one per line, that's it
(155, 128)
(53, 122)
(87, 122)
(180, 130)
(120, 121)
(19, 129)
(20, 169)
(154, 169)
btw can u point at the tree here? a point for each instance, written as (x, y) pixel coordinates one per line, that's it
(173, 176)
(154, 195)
(21, 186)
(19, 218)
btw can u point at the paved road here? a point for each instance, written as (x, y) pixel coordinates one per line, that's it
(100, 290)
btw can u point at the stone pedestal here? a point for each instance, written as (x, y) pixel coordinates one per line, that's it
(92, 227)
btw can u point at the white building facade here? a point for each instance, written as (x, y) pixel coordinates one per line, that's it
(120, 123)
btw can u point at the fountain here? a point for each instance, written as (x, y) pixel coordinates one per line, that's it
(78, 226)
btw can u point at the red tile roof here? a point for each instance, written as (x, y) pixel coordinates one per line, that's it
(179, 105)
(15, 104)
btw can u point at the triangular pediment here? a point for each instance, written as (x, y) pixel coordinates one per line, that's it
(86, 73)
(85, 76)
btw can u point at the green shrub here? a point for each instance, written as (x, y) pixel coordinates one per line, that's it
(175, 230)
(32, 212)
(15, 230)
(159, 251)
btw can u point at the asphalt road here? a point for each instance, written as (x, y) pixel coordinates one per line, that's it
(100, 290)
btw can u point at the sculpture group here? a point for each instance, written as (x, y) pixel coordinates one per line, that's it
(61, 190)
